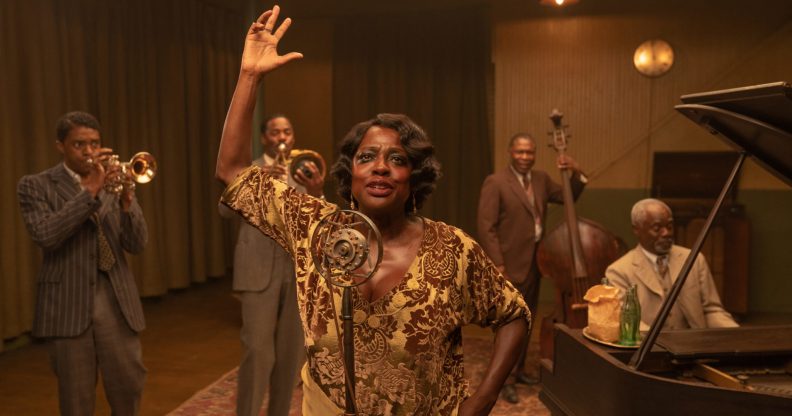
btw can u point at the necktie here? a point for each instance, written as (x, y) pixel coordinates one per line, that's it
(662, 270)
(534, 210)
(106, 257)
(529, 191)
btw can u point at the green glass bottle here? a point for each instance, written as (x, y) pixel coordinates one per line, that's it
(630, 321)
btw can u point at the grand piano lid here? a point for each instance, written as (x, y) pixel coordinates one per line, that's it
(755, 119)
(769, 103)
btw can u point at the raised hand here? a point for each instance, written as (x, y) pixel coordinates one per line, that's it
(261, 44)
(259, 57)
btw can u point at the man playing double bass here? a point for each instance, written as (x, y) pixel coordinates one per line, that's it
(511, 213)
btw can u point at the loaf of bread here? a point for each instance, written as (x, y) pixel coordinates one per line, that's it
(604, 311)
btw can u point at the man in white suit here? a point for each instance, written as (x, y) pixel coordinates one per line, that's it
(654, 266)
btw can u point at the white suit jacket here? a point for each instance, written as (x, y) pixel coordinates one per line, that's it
(698, 300)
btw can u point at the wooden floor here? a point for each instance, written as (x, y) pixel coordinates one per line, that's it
(191, 339)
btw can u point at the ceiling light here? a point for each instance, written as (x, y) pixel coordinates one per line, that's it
(557, 3)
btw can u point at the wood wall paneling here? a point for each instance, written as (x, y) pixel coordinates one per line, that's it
(582, 64)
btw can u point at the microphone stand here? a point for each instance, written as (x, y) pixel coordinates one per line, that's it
(338, 245)
(349, 350)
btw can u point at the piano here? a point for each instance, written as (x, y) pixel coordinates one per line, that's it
(723, 371)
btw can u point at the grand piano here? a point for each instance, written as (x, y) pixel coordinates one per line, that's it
(725, 371)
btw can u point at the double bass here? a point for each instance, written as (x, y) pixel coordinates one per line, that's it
(574, 255)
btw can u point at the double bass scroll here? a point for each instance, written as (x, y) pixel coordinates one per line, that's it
(574, 255)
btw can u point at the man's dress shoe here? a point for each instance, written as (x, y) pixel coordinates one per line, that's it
(524, 379)
(509, 394)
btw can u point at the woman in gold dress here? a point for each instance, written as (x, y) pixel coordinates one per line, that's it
(433, 278)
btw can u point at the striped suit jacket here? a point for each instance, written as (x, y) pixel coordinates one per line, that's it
(59, 218)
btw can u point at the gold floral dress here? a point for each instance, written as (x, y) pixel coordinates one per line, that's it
(408, 343)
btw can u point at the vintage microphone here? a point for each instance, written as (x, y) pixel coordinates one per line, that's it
(341, 250)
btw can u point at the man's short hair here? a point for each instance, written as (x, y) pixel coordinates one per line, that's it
(269, 118)
(521, 135)
(638, 213)
(74, 119)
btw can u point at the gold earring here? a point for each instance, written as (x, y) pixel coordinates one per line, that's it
(415, 206)
(351, 202)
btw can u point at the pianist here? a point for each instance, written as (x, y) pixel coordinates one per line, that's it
(654, 265)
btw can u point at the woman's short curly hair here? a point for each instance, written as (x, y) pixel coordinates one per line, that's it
(420, 151)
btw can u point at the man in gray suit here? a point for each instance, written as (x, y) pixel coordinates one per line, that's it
(511, 222)
(87, 305)
(654, 265)
(271, 334)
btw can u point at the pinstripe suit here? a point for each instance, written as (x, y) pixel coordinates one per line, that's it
(71, 292)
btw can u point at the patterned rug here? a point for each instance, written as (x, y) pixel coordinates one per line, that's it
(219, 398)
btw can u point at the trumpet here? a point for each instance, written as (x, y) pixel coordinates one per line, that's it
(297, 160)
(140, 169)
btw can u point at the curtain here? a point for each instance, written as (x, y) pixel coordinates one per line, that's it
(434, 67)
(159, 76)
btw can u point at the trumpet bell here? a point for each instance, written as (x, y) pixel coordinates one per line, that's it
(142, 167)
(298, 158)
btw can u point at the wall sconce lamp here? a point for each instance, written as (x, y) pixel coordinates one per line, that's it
(653, 58)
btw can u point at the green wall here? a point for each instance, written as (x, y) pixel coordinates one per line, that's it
(770, 214)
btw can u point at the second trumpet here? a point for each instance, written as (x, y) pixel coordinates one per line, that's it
(297, 159)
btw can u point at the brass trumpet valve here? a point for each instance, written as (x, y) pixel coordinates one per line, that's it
(140, 169)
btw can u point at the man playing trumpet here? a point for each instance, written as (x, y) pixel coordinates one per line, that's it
(88, 307)
(271, 335)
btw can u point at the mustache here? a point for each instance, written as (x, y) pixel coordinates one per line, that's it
(664, 242)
